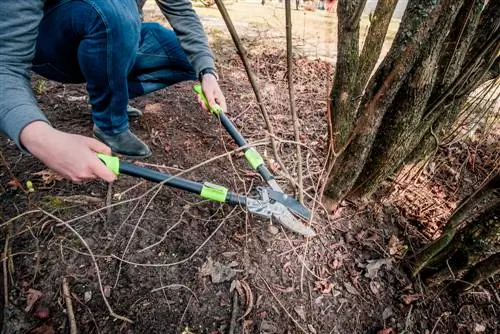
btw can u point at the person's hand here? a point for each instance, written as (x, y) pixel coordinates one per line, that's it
(72, 156)
(212, 91)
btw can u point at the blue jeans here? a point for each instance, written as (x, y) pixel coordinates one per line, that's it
(104, 44)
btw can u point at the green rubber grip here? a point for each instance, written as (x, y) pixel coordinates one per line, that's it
(254, 158)
(214, 192)
(113, 163)
(215, 109)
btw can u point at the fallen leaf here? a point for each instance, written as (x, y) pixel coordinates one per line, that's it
(274, 166)
(386, 331)
(373, 267)
(42, 312)
(387, 313)
(283, 289)
(107, 291)
(217, 271)
(408, 299)
(311, 329)
(49, 176)
(268, 327)
(153, 108)
(375, 287)
(479, 328)
(14, 184)
(87, 296)
(337, 213)
(350, 288)
(323, 286)
(32, 297)
(337, 262)
(43, 329)
(396, 246)
(300, 312)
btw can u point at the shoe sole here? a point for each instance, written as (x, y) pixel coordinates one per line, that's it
(121, 155)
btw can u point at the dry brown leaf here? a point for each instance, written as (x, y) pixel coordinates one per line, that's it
(323, 286)
(274, 166)
(43, 329)
(153, 108)
(395, 245)
(386, 331)
(337, 262)
(14, 184)
(283, 289)
(32, 297)
(408, 299)
(48, 176)
(350, 288)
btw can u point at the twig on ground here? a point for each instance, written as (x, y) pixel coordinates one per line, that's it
(164, 234)
(247, 292)
(5, 272)
(181, 261)
(179, 327)
(69, 307)
(109, 200)
(445, 314)
(135, 230)
(234, 313)
(282, 306)
(98, 271)
(176, 286)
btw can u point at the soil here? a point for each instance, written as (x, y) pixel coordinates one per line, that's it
(352, 278)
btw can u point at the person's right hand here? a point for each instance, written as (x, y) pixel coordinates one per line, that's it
(72, 156)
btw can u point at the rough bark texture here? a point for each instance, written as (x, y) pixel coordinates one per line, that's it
(418, 21)
(437, 251)
(470, 245)
(342, 103)
(395, 137)
(479, 273)
(374, 41)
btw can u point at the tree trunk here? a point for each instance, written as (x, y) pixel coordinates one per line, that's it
(471, 245)
(479, 273)
(418, 22)
(379, 23)
(396, 136)
(342, 102)
(439, 250)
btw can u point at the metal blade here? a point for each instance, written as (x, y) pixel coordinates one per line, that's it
(279, 212)
(287, 219)
(291, 203)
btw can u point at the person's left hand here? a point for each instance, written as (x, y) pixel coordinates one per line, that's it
(212, 91)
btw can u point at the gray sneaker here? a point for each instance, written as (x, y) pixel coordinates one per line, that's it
(133, 112)
(125, 143)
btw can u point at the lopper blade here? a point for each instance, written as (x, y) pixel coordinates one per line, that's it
(288, 220)
(291, 203)
(279, 213)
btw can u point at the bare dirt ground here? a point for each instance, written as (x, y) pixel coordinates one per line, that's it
(167, 260)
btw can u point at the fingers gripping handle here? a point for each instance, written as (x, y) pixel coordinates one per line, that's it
(214, 109)
(113, 163)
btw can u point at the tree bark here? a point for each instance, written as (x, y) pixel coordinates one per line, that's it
(374, 41)
(479, 273)
(439, 250)
(394, 138)
(418, 21)
(471, 245)
(342, 102)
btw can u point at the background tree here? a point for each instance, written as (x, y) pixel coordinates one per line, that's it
(443, 51)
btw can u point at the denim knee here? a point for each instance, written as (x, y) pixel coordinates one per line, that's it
(121, 19)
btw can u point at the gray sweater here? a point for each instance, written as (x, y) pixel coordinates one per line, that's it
(19, 20)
